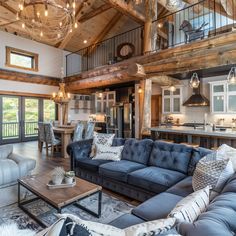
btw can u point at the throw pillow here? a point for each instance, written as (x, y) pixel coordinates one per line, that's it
(155, 227)
(101, 139)
(225, 151)
(212, 171)
(108, 153)
(189, 208)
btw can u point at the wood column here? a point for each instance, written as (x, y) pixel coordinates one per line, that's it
(147, 99)
(150, 29)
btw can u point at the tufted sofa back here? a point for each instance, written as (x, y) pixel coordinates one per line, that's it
(137, 150)
(171, 156)
(5, 151)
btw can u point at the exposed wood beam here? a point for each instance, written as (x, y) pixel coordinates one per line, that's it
(127, 9)
(67, 39)
(105, 31)
(28, 78)
(230, 7)
(9, 8)
(38, 95)
(94, 13)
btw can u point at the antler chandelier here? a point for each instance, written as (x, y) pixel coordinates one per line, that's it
(50, 20)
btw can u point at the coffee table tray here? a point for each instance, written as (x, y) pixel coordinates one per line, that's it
(50, 185)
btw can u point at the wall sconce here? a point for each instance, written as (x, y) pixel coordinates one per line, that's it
(140, 90)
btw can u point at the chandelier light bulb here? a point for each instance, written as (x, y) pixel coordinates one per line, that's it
(38, 14)
(33, 20)
(60, 24)
(23, 25)
(71, 31)
(85, 41)
(76, 25)
(46, 10)
(58, 35)
(67, 4)
(41, 34)
(17, 16)
(73, 4)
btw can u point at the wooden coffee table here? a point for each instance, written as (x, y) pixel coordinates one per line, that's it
(58, 198)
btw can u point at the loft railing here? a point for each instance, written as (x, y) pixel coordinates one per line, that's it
(181, 27)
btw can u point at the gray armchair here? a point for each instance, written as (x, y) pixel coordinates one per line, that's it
(12, 167)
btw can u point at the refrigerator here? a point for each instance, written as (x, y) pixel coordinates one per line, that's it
(120, 120)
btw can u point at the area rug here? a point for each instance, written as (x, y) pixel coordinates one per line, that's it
(112, 208)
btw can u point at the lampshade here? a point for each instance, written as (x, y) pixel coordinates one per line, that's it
(194, 81)
(232, 76)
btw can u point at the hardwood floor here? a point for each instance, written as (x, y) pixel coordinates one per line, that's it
(45, 164)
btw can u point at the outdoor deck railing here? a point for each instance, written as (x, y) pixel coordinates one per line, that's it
(171, 30)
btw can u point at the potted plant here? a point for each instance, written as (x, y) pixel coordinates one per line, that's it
(57, 175)
(69, 177)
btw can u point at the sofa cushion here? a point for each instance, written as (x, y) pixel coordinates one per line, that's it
(182, 188)
(154, 178)
(126, 220)
(171, 156)
(230, 186)
(157, 207)
(119, 170)
(198, 153)
(90, 164)
(137, 150)
(9, 171)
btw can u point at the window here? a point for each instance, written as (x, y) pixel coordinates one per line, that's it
(18, 58)
(49, 110)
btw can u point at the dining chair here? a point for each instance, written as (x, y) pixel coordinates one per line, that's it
(89, 130)
(50, 138)
(41, 136)
(78, 133)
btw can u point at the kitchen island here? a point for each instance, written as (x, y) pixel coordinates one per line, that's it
(200, 136)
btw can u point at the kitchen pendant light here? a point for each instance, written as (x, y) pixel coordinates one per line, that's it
(231, 78)
(194, 81)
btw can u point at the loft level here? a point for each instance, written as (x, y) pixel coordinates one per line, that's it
(197, 22)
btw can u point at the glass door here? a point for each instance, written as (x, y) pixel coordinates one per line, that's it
(30, 118)
(10, 121)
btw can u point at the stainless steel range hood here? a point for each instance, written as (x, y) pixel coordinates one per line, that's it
(197, 99)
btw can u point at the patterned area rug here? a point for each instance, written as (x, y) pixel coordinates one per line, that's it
(112, 208)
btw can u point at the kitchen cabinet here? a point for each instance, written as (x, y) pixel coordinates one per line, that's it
(223, 97)
(104, 100)
(171, 100)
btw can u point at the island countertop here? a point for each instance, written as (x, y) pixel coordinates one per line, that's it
(228, 133)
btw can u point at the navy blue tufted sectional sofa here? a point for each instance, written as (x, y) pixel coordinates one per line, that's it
(159, 174)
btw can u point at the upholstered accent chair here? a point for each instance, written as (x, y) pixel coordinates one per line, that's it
(78, 133)
(12, 167)
(51, 140)
(41, 134)
(89, 130)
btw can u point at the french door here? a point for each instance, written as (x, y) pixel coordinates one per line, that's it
(19, 117)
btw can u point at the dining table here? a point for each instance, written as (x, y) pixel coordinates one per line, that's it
(66, 134)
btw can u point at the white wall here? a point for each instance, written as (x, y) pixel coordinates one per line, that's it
(51, 59)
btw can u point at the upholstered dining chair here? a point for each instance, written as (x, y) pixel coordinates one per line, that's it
(50, 138)
(78, 133)
(89, 130)
(41, 133)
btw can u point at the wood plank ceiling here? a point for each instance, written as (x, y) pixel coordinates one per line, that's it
(95, 20)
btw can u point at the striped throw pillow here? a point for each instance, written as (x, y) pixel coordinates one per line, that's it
(189, 208)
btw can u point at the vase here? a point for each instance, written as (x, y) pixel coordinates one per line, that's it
(69, 180)
(57, 179)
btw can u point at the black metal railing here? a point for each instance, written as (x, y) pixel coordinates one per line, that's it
(202, 20)
(30, 128)
(10, 130)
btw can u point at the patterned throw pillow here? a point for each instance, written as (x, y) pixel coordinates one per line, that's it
(90, 228)
(101, 139)
(189, 208)
(212, 171)
(108, 153)
(225, 151)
